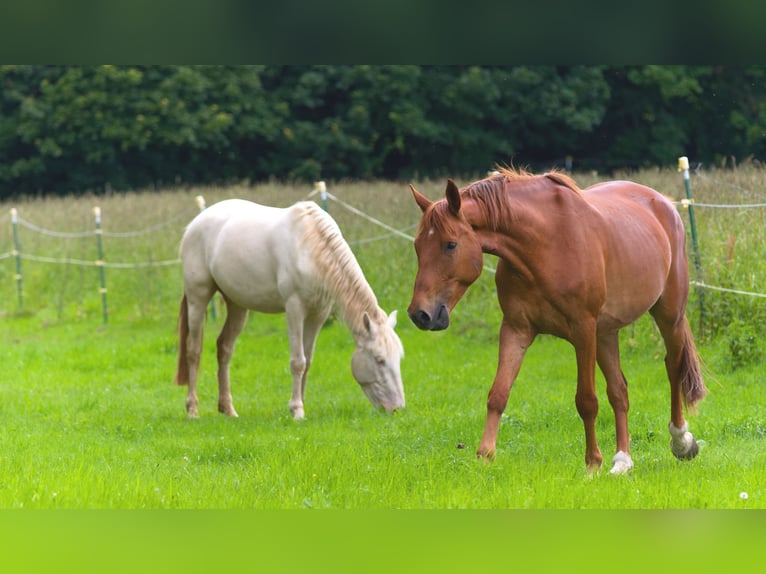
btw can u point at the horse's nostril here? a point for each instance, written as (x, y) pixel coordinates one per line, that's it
(423, 318)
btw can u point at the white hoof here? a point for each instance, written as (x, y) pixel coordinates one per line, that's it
(681, 440)
(621, 463)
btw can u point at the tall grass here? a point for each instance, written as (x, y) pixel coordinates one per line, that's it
(92, 420)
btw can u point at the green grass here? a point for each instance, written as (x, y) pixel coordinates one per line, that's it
(91, 418)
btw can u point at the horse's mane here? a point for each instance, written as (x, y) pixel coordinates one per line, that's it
(341, 278)
(491, 195)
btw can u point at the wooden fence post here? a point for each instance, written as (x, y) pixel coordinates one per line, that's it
(17, 255)
(100, 264)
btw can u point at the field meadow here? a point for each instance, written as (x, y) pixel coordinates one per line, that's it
(92, 421)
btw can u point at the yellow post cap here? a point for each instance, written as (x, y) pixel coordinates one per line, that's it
(683, 163)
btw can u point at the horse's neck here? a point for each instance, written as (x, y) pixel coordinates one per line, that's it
(359, 299)
(337, 274)
(346, 285)
(478, 216)
(526, 224)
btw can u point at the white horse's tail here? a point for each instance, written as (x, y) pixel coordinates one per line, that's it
(182, 372)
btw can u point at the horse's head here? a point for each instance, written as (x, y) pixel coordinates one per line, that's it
(375, 363)
(449, 259)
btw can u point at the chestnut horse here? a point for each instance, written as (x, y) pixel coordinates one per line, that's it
(577, 264)
(290, 260)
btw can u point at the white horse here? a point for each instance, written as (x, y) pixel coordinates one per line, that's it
(294, 261)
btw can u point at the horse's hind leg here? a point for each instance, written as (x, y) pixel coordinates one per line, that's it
(682, 365)
(236, 317)
(196, 310)
(608, 358)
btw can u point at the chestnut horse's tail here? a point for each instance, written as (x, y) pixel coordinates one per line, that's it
(690, 372)
(182, 372)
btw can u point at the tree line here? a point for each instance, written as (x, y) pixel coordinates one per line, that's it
(73, 129)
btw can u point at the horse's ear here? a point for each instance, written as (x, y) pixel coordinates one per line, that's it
(392, 319)
(421, 199)
(368, 326)
(453, 197)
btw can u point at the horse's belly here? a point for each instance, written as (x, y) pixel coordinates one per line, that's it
(614, 317)
(247, 276)
(633, 288)
(258, 293)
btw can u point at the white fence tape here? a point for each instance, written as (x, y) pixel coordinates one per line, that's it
(725, 290)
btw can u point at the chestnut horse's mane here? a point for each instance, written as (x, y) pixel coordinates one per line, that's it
(491, 194)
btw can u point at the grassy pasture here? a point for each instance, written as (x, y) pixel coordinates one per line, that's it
(91, 419)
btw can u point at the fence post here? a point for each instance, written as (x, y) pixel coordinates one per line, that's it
(17, 255)
(321, 187)
(100, 263)
(683, 166)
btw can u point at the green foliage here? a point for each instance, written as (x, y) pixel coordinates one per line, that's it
(119, 127)
(75, 129)
(744, 342)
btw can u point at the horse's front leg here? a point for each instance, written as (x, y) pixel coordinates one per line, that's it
(513, 345)
(608, 359)
(584, 341)
(298, 364)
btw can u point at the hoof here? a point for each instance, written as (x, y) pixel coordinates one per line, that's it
(191, 408)
(593, 462)
(488, 456)
(296, 409)
(692, 451)
(593, 469)
(682, 443)
(227, 410)
(621, 463)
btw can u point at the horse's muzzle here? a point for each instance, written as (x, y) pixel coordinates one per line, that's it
(437, 322)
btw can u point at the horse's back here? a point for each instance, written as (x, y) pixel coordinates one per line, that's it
(637, 214)
(246, 249)
(226, 224)
(233, 212)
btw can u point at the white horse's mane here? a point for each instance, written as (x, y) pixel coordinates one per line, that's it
(341, 276)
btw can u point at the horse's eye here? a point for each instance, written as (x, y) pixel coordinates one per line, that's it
(450, 246)
(380, 361)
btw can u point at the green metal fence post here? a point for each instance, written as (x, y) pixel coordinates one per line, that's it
(683, 166)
